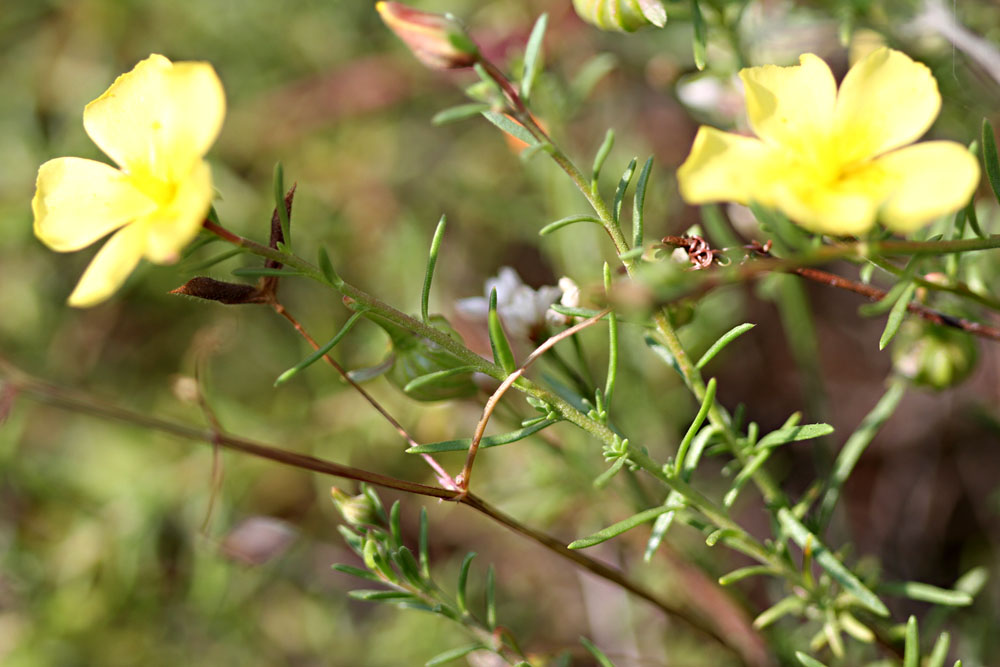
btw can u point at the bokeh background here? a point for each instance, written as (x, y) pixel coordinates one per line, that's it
(113, 548)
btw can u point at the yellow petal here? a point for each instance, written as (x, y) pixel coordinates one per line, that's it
(886, 101)
(172, 227)
(78, 201)
(846, 209)
(159, 119)
(723, 167)
(791, 106)
(109, 268)
(930, 179)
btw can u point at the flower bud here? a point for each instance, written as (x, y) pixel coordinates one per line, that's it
(621, 15)
(357, 510)
(438, 41)
(932, 355)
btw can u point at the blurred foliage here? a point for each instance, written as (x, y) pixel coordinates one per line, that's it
(115, 549)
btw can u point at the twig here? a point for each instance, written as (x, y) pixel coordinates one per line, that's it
(66, 399)
(463, 478)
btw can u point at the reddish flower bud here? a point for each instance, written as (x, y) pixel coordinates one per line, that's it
(438, 41)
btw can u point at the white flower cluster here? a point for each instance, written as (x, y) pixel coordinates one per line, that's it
(523, 311)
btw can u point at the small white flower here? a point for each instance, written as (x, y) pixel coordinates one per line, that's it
(522, 310)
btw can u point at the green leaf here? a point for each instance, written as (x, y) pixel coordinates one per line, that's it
(661, 526)
(355, 571)
(460, 112)
(855, 628)
(565, 222)
(600, 157)
(463, 580)
(973, 581)
(463, 444)
(748, 470)
(622, 526)
(602, 659)
(376, 595)
(408, 566)
(789, 605)
(662, 352)
(431, 378)
(911, 644)
(511, 127)
(321, 352)
(256, 272)
(843, 576)
(940, 651)
(394, 524)
(453, 654)
(212, 261)
(855, 446)
(991, 161)
(491, 598)
(638, 202)
(532, 59)
(327, 268)
(590, 74)
(793, 434)
(700, 42)
(706, 404)
(279, 204)
(896, 315)
(743, 573)
(502, 354)
(927, 593)
(623, 184)
(723, 341)
(612, 376)
(422, 546)
(429, 272)
(807, 661)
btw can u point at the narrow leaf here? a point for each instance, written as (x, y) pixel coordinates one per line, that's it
(940, 651)
(927, 593)
(376, 595)
(707, 401)
(654, 11)
(355, 571)
(661, 526)
(327, 268)
(463, 444)
(612, 377)
(463, 580)
(856, 445)
(855, 628)
(789, 605)
(431, 378)
(724, 340)
(565, 222)
(743, 573)
(321, 352)
(429, 273)
(793, 434)
(460, 112)
(532, 56)
(453, 654)
(502, 354)
(395, 528)
(896, 315)
(622, 526)
(511, 127)
(700, 42)
(991, 161)
(279, 204)
(602, 659)
(843, 576)
(600, 157)
(911, 644)
(807, 661)
(638, 204)
(256, 272)
(491, 597)
(422, 546)
(623, 184)
(748, 471)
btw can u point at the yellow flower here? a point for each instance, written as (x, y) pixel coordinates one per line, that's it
(156, 122)
(833, 160)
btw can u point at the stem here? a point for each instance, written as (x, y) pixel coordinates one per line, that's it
(18, 382)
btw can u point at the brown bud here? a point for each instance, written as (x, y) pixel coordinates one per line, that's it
(438, 41)
(223, 292)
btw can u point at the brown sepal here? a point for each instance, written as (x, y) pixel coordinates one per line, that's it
(223, 292)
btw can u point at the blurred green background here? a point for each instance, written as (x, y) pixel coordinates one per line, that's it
(111, 549)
